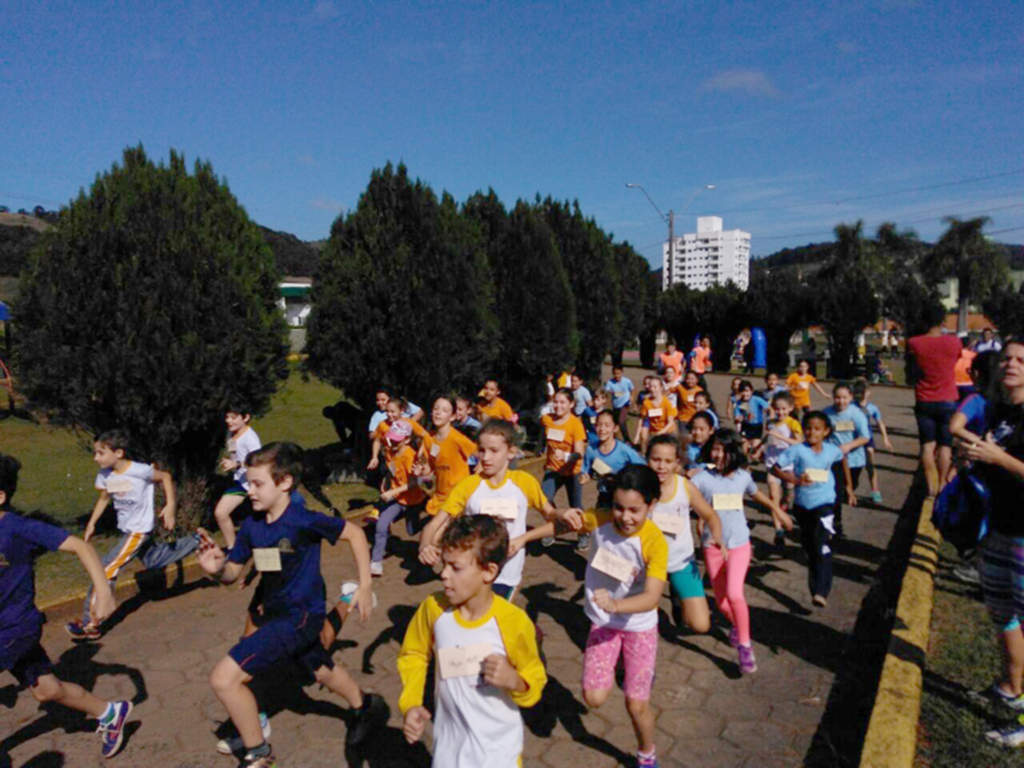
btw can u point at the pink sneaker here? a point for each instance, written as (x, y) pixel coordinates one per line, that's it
(748, 664)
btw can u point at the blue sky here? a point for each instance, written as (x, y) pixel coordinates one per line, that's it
(802, 116)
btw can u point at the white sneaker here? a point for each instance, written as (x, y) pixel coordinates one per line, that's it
(377, 569)
(1011, 735)
(233, 745)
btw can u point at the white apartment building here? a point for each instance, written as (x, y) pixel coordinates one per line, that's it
(710, 256)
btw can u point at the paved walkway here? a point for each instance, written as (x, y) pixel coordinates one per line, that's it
(708, 715)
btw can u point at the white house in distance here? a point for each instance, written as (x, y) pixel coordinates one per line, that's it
(293, 300)
(710, 256)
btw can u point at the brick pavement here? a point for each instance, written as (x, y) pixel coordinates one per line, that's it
(708, 715)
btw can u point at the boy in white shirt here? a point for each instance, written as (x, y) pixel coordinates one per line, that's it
(488, 665)
(242, 440)
(129, 485)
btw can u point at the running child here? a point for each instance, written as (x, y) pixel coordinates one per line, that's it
(601, 403)
(799, 383)
(750, 412)
(809, 466)
(492, 406)
(851, 432)
(285, 538)
(657, 415)
(782, 433)
(734, 397)
(604, 460)
(672, 516)
(672, 384)
(242, 440)
(686, 396)
(641, 396)
(620, 389)
(862, 396)
(402, 498)
(21, 624)
(488, 666)
(704, 404)
(702, 427)
(394, 414)
(583, 401)
(724, 487)
(448, 452)
(772, 386)
(565, 443)
(464, 421)
(129, 485)
(625, 578)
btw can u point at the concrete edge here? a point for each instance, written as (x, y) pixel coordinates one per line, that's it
(891, 739)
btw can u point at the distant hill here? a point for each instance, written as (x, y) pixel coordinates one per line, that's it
(813, 255)
(19, 234)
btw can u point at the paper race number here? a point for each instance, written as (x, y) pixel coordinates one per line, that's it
(670, 524)
(723, 502)
(555, 435)
(817, 475)
(119, 485)
(506, 509)
(600, 468)
(462, 660)
(610, 564)
(268, 559)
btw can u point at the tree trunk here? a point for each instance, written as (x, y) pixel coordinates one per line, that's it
(648, 346)
(964, 307)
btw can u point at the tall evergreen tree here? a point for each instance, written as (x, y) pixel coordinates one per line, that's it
(533, 302)
(402, 296)
(151, 306)
(635, 303)
(780, 304)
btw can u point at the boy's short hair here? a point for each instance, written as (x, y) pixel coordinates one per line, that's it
(819, 416)
(492, 379)
(242, 409)
(114, 439)
(617, 368)
(746, 384)
(842, 385)
(9, 468)
(783, 397)
(503, 429)
(567, 392)
(639, 478)
(284, 459)
(485, 534)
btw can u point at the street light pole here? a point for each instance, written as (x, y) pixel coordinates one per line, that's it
(671, 221)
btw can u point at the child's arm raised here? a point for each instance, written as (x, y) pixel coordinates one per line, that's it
(167, 514)
(363, 598)
(103, 599)
(97, 512)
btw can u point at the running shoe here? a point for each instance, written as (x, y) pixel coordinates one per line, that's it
(82, 632)
(376, 568)
(1011, 735)
(374, 712)
(583, 542)
(547, 541)
(876, 497)
(113, 730)
(996, 693)
(820, 601)
(646, 761)
(258, 761)
(233, 744)
(967, 573)
(748, 665)
(373, 514)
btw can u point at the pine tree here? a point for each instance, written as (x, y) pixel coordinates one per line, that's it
(150, 306)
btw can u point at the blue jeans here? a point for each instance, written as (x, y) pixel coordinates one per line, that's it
(555, 480)
(388, 515)
(152, 554)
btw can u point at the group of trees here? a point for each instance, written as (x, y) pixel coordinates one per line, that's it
(428, 296)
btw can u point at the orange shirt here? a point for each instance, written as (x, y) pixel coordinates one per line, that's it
(401, 472)
(701, 357)
(562, 437)
(499, 409)
(658, 415)
(686, 399)
(800, 388)
(449, 460)
(381, 433)
(962, 369)
(675, 360)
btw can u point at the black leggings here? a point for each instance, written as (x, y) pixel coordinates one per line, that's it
(837, 473)
(816, 529)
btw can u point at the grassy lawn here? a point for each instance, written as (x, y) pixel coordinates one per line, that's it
(963, 656)
(58, 472)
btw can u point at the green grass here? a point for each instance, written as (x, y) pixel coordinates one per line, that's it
(963, 656)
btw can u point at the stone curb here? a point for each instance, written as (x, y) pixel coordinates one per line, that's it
(891, 740)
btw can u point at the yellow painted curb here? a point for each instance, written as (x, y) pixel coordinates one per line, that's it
(891, 740)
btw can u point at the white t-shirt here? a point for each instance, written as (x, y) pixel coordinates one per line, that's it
(240, 447)
(680, 544)
(132, 494)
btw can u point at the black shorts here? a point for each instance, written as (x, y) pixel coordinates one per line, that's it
(933, 422)
(295, 637)
(752, 431)
(25, 658)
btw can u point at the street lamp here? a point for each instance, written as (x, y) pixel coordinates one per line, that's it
(671, 221)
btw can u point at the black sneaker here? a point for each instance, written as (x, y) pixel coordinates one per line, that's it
(583, 542)
(780, 539)
(374, 711)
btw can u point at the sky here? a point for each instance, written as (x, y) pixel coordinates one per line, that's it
(801, 115)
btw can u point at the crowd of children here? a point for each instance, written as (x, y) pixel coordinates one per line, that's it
(682, 461)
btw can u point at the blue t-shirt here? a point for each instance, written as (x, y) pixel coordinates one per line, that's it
(693, 452)
(977, 410)
(299, 586)
(21, 542)
(735, 532)
(798, 459)
(871, 411)
(375, 420)
(620, 391)
(582, 396)
(620, 457)
(854, 425)
(751, 411)
(768, 394)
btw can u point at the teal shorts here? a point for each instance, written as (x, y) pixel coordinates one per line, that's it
(687, 583)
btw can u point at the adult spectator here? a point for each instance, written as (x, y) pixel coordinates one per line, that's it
(999, 462)
(700, 362)
(988, 343)
(670, 358)
(932, 358)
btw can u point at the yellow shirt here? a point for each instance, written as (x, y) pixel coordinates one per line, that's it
(498, 409)
(800, 388)
(685, 398)
(562, 437)
(658, 415)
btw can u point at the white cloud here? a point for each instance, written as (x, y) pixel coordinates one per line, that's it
(753, 82)
(325, 9)
(326, 204)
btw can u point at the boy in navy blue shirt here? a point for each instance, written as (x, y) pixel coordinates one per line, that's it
(21, 624)
(283, 538)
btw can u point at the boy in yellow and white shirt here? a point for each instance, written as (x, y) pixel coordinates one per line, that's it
(486, 654)
(498, 491)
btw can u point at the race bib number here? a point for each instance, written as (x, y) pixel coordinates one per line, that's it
(654, 413)
(600, 468)
(690, 398)
(506, 509)
(817, 475)
(435, 450)
(462, 660)
(845, 426)
(804, 385)
(723, 502)
(673, 525)
(267, 559)
(232, 445)
(555, 435)
(610, 564)
(119, 485)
